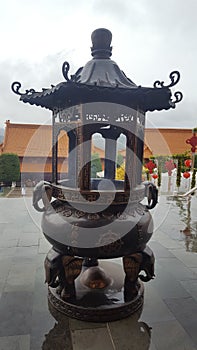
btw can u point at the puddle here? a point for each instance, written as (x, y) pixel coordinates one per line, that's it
(183, 214)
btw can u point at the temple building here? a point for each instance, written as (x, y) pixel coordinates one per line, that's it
(33, 145)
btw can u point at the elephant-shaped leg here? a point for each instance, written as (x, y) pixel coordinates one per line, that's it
(133, 265)
(72, 268)
(54, 270)
(61, 272)
(147, 265)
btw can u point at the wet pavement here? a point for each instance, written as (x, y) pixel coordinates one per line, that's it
(168, 320)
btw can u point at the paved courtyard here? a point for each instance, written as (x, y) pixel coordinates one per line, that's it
(168, 320)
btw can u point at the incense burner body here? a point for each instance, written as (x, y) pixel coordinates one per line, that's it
(88, 229)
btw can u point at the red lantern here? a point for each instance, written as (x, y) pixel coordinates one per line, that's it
(155, 176)
(186, 175)
(188, 163)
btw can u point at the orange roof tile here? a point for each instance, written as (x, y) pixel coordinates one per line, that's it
(167, 141)
(147, 152)
(43, 167)
(32, 140)
(98, 150)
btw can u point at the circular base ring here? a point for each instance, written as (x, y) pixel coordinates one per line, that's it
(99, 305)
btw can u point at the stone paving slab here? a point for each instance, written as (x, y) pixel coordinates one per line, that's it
(171, 335)
(75, 324)
(189, 259)
(92, 339)
(160, 250)
(166, 285)
(15, 311)
(42, 327)
(154, 301)
(44, 246)
(28, 242)
(194, 269)
(177, 268)
(191, 287)
(21, 277)
(20, 342)
(9, 243)
(166, 241)
(185, 311)
(130, 333)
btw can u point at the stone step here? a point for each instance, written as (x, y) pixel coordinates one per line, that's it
(16, 192)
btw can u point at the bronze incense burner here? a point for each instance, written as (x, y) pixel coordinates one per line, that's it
(89, 220)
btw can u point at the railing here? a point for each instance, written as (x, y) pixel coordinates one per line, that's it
(187, 193)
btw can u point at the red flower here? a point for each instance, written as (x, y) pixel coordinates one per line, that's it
(170, 166)
(150, 166)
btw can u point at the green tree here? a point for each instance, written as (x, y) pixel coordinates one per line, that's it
(195, 162)
(193, 182)
(96, 165)
(9, 168)
(159, 176)
(178, 176)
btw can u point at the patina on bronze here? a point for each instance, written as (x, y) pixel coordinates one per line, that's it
(89, 219)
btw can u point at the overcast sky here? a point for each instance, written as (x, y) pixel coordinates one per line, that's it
(151, 38)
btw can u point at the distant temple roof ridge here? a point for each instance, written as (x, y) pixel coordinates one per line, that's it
(35, 140)
(49, 125)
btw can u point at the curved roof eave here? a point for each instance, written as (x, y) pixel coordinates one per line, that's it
(67, 94)
(101, 80)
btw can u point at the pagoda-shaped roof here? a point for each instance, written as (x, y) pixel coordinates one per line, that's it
(101, 80)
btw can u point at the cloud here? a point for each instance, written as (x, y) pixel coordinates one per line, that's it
(150, 39)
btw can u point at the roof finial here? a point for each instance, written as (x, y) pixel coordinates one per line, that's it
(101, 41)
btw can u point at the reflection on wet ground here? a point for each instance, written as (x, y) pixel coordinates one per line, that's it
(167, 320)
(67, 331)
(186, 210)
(59, 336)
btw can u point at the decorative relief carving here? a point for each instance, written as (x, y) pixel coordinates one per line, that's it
(125, 118)
(108, 215)
(110, 242)
(139, 209)
(74, 233)
(79, 213)
(174, 77)
(141, 119)
(122, 216)
(95, 314)
(96, 117)
(93, 216)
(65, 194)
(71, 114)
(140, 234)
(103, 118)
(178, 97)
(86, 177)
(67, 212)
(65, 70)
(79, 159)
